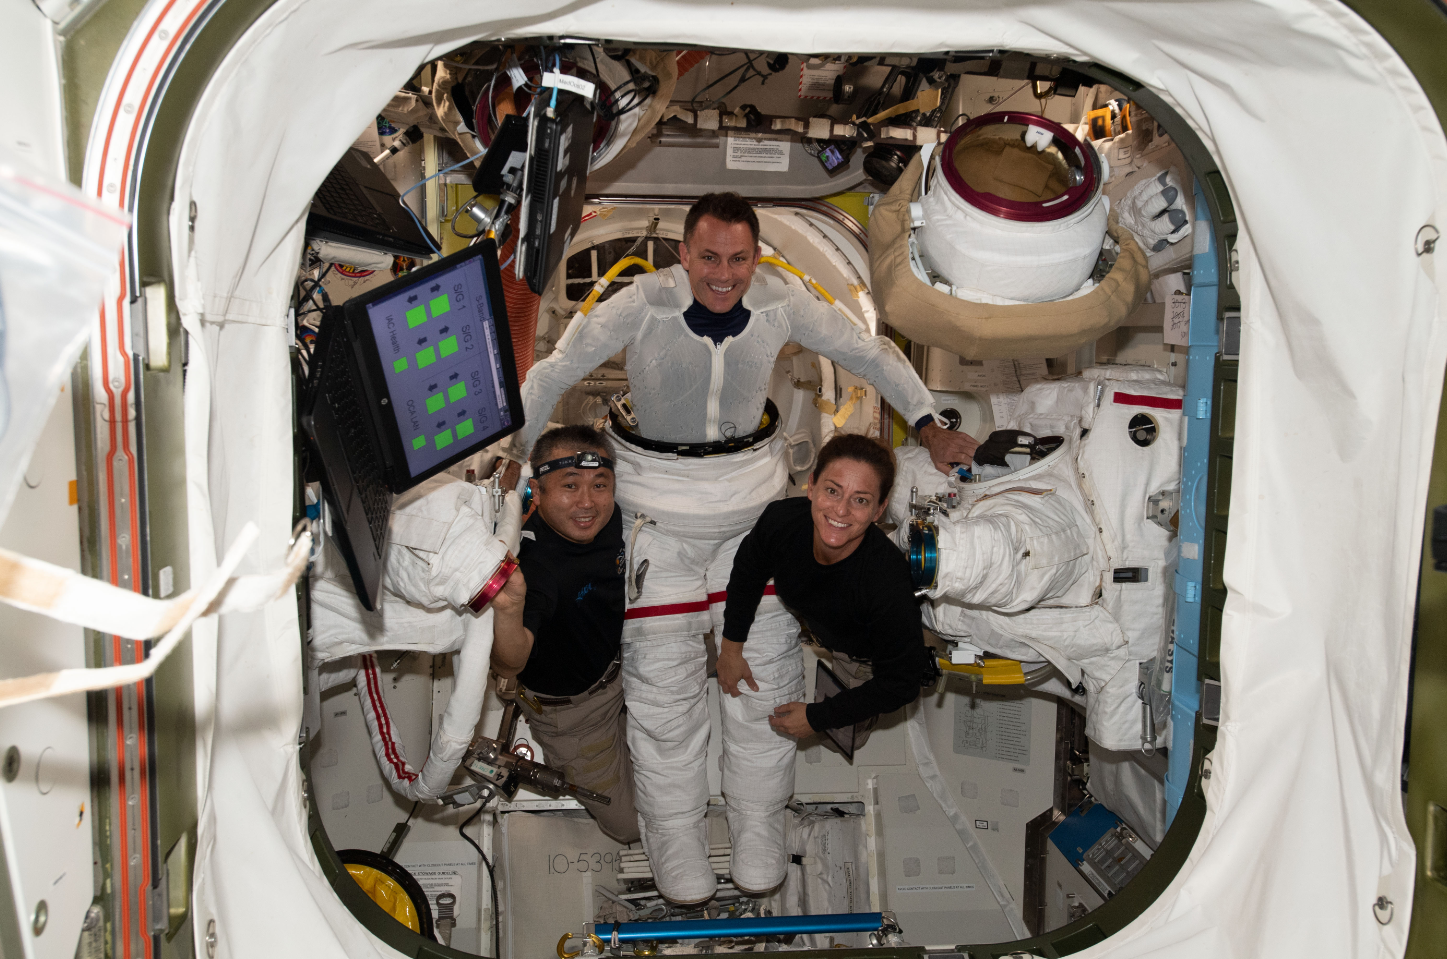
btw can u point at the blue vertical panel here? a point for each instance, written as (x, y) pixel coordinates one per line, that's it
(1203, 346)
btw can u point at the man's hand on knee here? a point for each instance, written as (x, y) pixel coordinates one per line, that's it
(733, 668)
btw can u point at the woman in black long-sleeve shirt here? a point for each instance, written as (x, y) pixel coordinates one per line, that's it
(839, 573)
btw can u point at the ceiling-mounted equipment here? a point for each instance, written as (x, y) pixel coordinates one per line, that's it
(1014, 210)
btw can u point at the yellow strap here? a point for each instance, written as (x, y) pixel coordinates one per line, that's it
(824, 406)
(856, 393)
(924, 103)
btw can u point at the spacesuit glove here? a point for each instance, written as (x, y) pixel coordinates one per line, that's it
(1155, 212)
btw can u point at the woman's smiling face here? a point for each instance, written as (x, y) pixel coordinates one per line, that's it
(845, 500)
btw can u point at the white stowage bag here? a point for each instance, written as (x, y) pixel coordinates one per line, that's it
(442, 548)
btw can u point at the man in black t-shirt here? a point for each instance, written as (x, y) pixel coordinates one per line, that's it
(559, 621)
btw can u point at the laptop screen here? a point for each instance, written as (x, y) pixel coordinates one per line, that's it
(438, 343)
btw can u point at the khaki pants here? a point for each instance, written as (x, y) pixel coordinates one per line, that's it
(586, 737)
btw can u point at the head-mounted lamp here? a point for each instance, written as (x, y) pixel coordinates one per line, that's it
(583, 460)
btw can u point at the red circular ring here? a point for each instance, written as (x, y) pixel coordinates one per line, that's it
(1031, 212)
(494, 584)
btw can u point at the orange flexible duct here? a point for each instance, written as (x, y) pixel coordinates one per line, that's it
(522, 310)
(688, 59)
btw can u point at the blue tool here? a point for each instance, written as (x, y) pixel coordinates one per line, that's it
(739, 928)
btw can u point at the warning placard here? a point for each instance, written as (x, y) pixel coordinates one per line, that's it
(758, 151)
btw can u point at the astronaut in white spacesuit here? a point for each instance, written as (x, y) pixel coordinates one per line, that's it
(702, 339)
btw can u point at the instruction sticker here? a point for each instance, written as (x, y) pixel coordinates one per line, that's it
(951, 887)
(992, 727)
(816, 79)
(437, 879)
(1177, 330)
(758, 151)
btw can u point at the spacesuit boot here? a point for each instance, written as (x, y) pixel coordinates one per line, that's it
(758, 762)
(663, 684)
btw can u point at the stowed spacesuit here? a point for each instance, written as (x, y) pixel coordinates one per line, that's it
(1068, 558)
(685, 516)
(442, 553)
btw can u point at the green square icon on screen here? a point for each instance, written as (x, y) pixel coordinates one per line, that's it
(435, 402)
(416, 317)
(443, 439)
(426, 358)
(464, 428)
(439, 305)
(457, 391)
(399, 366)
(418, 442)
(448, 346)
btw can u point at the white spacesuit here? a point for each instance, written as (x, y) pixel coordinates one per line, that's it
(442, 550)
(685, 516)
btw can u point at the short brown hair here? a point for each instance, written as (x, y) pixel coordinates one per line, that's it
(566, 440)
(862, 449)
(728, 207)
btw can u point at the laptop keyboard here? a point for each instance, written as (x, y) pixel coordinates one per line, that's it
(342, 198)
(345, 401)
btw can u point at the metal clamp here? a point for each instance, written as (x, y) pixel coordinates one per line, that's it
(588, 940)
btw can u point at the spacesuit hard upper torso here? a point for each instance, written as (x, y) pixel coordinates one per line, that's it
(686, 389)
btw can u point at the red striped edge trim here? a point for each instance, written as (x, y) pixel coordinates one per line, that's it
(384, 721)
(1154, 402)
(678, 609)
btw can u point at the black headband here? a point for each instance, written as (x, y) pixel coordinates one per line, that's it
(583, 460)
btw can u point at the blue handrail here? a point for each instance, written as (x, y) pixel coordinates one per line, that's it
(740, 928)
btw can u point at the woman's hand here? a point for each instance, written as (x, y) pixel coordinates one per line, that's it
(733, 668)
(790, 720)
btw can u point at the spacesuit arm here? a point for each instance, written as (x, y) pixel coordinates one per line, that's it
(588, 341)
(1013, 551)
(815, 326)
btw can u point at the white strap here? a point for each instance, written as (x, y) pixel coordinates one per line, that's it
(68, 596)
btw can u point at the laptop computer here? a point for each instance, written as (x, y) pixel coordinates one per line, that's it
(356, 204)
(406, 380)
(560, 146)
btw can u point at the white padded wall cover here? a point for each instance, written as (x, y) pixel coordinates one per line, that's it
(1304, 814)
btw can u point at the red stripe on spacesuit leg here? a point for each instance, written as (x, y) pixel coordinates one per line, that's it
(722, 596)
(1154, 402)
(384, 722)
(667, 609)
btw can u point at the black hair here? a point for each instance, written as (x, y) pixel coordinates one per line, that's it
(566, 440)
(728, 207)
(862, 449)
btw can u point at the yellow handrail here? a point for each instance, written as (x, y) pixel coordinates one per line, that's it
(775, 261)
(609, 277)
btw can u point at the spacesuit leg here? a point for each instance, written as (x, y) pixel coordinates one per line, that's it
(664, 676)
(758, 762)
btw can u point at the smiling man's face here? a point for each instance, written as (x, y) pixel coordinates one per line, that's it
(720, 259)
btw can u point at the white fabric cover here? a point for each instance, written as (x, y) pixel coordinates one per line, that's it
(1016, 260)
(1305, 815)
(687, 390)
(441, 549)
